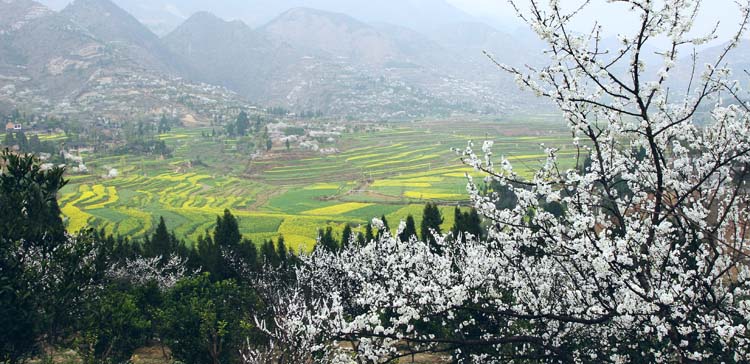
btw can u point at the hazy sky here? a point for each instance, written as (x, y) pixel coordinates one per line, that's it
(501, 14)
(723, 11)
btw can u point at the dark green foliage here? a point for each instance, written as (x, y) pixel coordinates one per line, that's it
(466, 222)
(206, 321)
(269, 253)
(346, 236)
(361, 239)
(385, 223)
(506, 199)
(113, 327)
(409, 230)
(282, 252)
(326, 240)
(242, 124)
(28, 199)
(19, 317)
(227, 231)
(431, 221)
(162, 243)
(368, 233)
(144, 147)
(164, 125)
(294, 130)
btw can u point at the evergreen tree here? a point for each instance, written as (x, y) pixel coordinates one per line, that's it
(242, 123)
(466, 222)
(10, 140)
(209, 256)
(326, 240)
(360, 239)
(346, 236)
(369, 236)
(249, 254)
(161, 243)
(458, 222)
(281, 251)
(385, 223)
(409, 230)
(227, 231)
(431, 221)
(270, 256)
(28, 197)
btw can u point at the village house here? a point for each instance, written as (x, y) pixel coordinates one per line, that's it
(11, 126)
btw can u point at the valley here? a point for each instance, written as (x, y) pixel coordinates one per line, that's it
(387, 169)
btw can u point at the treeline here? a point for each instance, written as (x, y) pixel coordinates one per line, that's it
(105, 296)
(17, 140)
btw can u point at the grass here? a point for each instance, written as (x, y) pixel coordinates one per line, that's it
(390, 172)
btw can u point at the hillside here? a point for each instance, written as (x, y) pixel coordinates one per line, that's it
(122, 32)
(51, 63)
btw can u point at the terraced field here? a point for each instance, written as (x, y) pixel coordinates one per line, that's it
(390, 172)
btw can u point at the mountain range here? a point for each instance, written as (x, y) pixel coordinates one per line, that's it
(95, 57)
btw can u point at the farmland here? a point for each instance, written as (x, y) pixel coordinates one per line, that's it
(391, 170)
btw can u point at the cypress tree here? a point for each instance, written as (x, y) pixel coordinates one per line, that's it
(270, 256)
(473, 223)
(410, 229)
(361, 239)
(431, 220)
(281, 250)
(346, 236)
(369, 236)
(227, 231)
(160, 243)
(326, 240)
(385, 223)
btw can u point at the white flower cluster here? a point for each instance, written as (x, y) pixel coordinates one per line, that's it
(646, 262)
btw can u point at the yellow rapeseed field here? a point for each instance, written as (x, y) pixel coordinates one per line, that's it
(338, 209)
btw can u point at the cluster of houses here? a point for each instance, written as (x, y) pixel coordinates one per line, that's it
(11, 126)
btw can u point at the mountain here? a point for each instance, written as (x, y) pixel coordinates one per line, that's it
(122, 32)
(229, 53)
(305, 59)
(46, 49)
(331, 34)
(162, 16)
(52, 63)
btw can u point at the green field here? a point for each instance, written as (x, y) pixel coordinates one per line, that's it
(391, 172)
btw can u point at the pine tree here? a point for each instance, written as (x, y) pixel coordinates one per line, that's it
(249, 253)
(242, 123)
(346, 236)
(409, 230)
(458, 223)
(227, 231)
(162, 243)
(209, 256)
(282, 251)
(361, 239)
(431, 221)
(385, 223)
(326, 240)
(369, 236)
(270, 256)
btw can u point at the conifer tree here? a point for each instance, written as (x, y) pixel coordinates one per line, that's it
(410, 229)
(227, 231)
(162, 243)
(369, 236)
(326, 240)
(346, 236)
(431, 221)
(282, 251)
